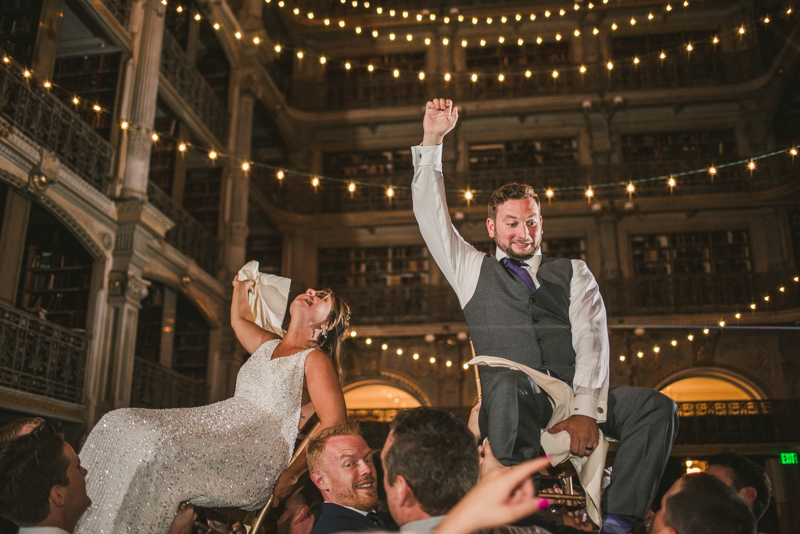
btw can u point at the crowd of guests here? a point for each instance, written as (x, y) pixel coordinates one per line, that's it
(434, 477)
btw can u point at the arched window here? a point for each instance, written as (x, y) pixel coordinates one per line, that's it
(379, 396)
(709, 384)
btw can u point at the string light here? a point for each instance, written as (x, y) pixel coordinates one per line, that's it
(421, 75)
(622, 357)
(212, 155)
(738, 315)
(465, 366)
(712, 170)
(182, 147)
(399, 352)
(589, 193)
(154, 137)
(124, 125)
(238, 35)
(300, 55)
(396, 73)
(656, 349)
(384, 346)
(256, 40)
(741, 30)
(390, 192)
(674, 343)
(351, 187)
(217, 26)
(549, 194)
(415, 356)
(474, 77)
(582, 69)
(528, 74)
(447, 76)
(640, 354)
(392, 37)
(690, 337)
(555, 74)
(353, 333)
(705, 331)
(197, 17)
(245, 166)
(689, 47)
(722, 324)
(753, 306)
(432, 360)
(47, 85)
(26, 73)
(315, 182)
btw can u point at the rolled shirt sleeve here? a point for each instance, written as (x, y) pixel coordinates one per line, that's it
(587, 315)
(459, 261)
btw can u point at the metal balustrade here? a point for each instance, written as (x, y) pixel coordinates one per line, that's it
(701, 423)
(156, 386)
(676, 71)
(121, 9)
(193, 88)
(50, 123)
(570, 181)
(188, 235)
(40, 357)
(638, 295)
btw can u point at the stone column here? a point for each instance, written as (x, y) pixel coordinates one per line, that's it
(143, 105)
(140, 224)
(168, 311)
(44, 51)
(609, 254)
(12, 244)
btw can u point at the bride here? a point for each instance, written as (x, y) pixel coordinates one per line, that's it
(142, 464)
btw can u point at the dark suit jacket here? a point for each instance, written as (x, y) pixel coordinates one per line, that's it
(334, 518)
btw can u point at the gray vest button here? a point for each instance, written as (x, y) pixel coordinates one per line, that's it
(540, 341)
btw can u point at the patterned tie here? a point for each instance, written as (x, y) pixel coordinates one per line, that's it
(518, 267)
(378, 519)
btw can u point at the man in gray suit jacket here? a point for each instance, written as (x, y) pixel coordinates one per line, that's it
(546, 313)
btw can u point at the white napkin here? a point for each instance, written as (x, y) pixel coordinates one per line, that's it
(561, 396)
(268, 298)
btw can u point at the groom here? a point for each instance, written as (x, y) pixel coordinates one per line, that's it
(546, 313)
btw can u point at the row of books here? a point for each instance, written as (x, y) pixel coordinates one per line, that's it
(58, 281)
(57, 302)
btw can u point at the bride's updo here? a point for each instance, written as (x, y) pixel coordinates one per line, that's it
(338, 322)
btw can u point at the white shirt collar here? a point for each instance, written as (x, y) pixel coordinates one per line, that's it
(42, 530)
(423, 526)
(362, 512)
(533, 263)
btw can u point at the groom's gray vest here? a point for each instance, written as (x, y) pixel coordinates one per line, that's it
(508, 321)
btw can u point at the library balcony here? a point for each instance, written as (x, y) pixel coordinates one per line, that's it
(188, 235)
(701, 423)
(674, 72)
(193, 88)
(40, 357)
(120, 9)
(568, 181)
(638, 295)
(156, 386)
(701, 293)
(50, 123)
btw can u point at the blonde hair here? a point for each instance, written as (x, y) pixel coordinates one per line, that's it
(315, 454)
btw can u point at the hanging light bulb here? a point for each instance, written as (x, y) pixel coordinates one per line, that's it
(445, 41)
(549, 193)
(182, 147)
(124, 125)
(582, 69)
(447, 76)
(154, 137)
(396, 73)
(528, 74)
(609, 65)
(256, 40)
(390, 192)
(245, 166)
(589, 192)
(323, 60)
(212, 155)
(432, 359)
(351, 187)
(315, 182)
(474, 77)
(279, 175)
(75, 100)
(421, 75)
(399, 352)
(712, 170)
(674, 343)
(690, 337)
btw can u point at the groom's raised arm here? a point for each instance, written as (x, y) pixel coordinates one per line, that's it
(458, 260)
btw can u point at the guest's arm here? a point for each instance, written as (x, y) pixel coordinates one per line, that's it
(249, 334)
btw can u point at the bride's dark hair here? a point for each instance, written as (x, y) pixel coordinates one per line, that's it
(338, 322)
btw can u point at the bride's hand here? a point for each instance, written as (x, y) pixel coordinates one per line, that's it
(247, 284)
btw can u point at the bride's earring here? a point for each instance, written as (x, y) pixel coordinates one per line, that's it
(324, 331)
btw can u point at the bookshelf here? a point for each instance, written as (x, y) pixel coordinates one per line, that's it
(57, 272)
(551, 54)
(148, 329)
(213, 65)
(368, 163)
(267, 250)
(523, 153)
(19, 24)
(373, 266)
(163, 155)
(202, 195)
(190, 350)
(691, 253)
(671, 146)
(94, 80)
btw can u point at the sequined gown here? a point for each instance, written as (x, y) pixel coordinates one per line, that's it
(143, 463)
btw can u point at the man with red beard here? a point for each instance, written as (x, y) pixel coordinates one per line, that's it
(341, 465)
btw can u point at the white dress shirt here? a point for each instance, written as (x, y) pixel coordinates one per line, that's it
(460, 263)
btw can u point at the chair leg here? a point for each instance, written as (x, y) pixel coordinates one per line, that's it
(300, 448)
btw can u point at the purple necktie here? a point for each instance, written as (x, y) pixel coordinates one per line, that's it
(518, 267)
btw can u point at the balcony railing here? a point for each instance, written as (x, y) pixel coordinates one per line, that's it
(721, 292)
(677, 71)
(639, 295)
(569, 181)
(54, 126)
(701, 423)
(40, 357)
(188, 235)
(156, 386)
(121, 9)
(193, 88)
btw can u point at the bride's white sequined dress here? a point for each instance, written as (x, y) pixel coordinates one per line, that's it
(143, 463)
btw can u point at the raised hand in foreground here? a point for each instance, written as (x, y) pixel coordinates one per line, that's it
(501, 497)
(440, 117)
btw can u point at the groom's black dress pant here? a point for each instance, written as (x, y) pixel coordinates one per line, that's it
(644, 421)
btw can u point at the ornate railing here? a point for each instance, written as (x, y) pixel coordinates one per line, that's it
(678, 70)
(193, 88)
(188, 235)
(156, 386)
(50, 123)
(720, 292)
(701, 423)
(402, 304)
(773, 421)
(40, 357)
(121, 9)
(638, 295)
(569, 181)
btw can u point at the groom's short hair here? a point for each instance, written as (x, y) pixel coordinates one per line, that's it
(315, 454)
(510, 192)
(30, 465)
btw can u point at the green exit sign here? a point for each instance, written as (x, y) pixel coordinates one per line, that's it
(789, 458)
